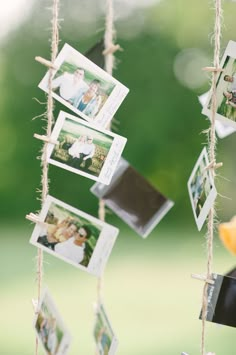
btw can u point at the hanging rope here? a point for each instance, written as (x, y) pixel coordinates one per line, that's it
(109, 64)
(50, 119)
(212, 158)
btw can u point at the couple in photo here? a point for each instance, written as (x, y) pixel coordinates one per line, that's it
(73, 88)
(230, 94)
(82, 150)
(67, 239)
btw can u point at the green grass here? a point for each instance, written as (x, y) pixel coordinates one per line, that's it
(151, 300)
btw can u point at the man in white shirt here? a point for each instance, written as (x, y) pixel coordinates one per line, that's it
(73, 248)
(69, 84)
(86, 152)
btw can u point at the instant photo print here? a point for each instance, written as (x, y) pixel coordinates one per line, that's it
(225, 89)
(222, 129)
(201, 189)
(84, 87)
(221, 307)
(133, 199)
(74, 236)
(84, 149)
(50, 328)
(105, 339)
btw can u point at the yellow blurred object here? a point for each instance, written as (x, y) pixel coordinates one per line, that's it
(227, 233)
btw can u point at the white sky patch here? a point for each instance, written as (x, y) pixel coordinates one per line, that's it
(79, 129)
(12, 14)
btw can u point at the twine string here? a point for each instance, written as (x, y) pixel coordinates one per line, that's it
(109, 64)
(50, 119)
(212, 141)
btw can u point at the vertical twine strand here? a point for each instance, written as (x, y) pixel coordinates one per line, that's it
(49, 116)
(109, 64)
(109, 36)
(212, 157)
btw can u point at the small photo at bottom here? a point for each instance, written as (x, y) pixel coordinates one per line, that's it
(50, 328)
(105, 339)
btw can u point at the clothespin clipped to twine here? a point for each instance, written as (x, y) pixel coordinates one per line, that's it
(213, 165)
(34, 218)
(213, 69)
(112, 49)
(46, 62)
(202, 278)
(45, 139)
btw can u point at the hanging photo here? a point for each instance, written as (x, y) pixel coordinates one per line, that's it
(84, 87)
(74, 236)
(133, 199)
(50, 327)
(225, 89)
(201, 189)
(221, 305)
(84, 150)
(222, 129)
(106, 341)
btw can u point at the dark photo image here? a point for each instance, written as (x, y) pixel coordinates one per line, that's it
(134, 199)
(222, 301)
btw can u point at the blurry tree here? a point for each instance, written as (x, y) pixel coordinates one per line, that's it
(160, 117)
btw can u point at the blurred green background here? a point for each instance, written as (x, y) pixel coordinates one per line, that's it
(152, 302)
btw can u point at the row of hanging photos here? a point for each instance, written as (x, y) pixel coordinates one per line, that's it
(86, 148)
(221, 305)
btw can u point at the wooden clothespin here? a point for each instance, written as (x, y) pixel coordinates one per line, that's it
(34, 218)
(213, 165)
(202, 278)
(213, 69)
(45, 139)
(112, 49)
(46, 62)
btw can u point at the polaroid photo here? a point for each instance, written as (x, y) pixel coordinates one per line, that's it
(84, 149)
(201, 189)
(221, 306)
(133, 199)
(225, 89)
(222, 129)
(50, 328)
(105, 339)
(84, 87)
(74, 236)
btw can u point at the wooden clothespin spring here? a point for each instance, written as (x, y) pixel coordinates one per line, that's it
(202, 278)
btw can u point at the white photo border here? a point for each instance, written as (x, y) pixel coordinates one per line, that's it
(111, 161)
(100, 310)
(231, 52)
(66, 339)
(103, 246)
(222, 129)
(114, 100)
(211, 196)
(99, 190)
